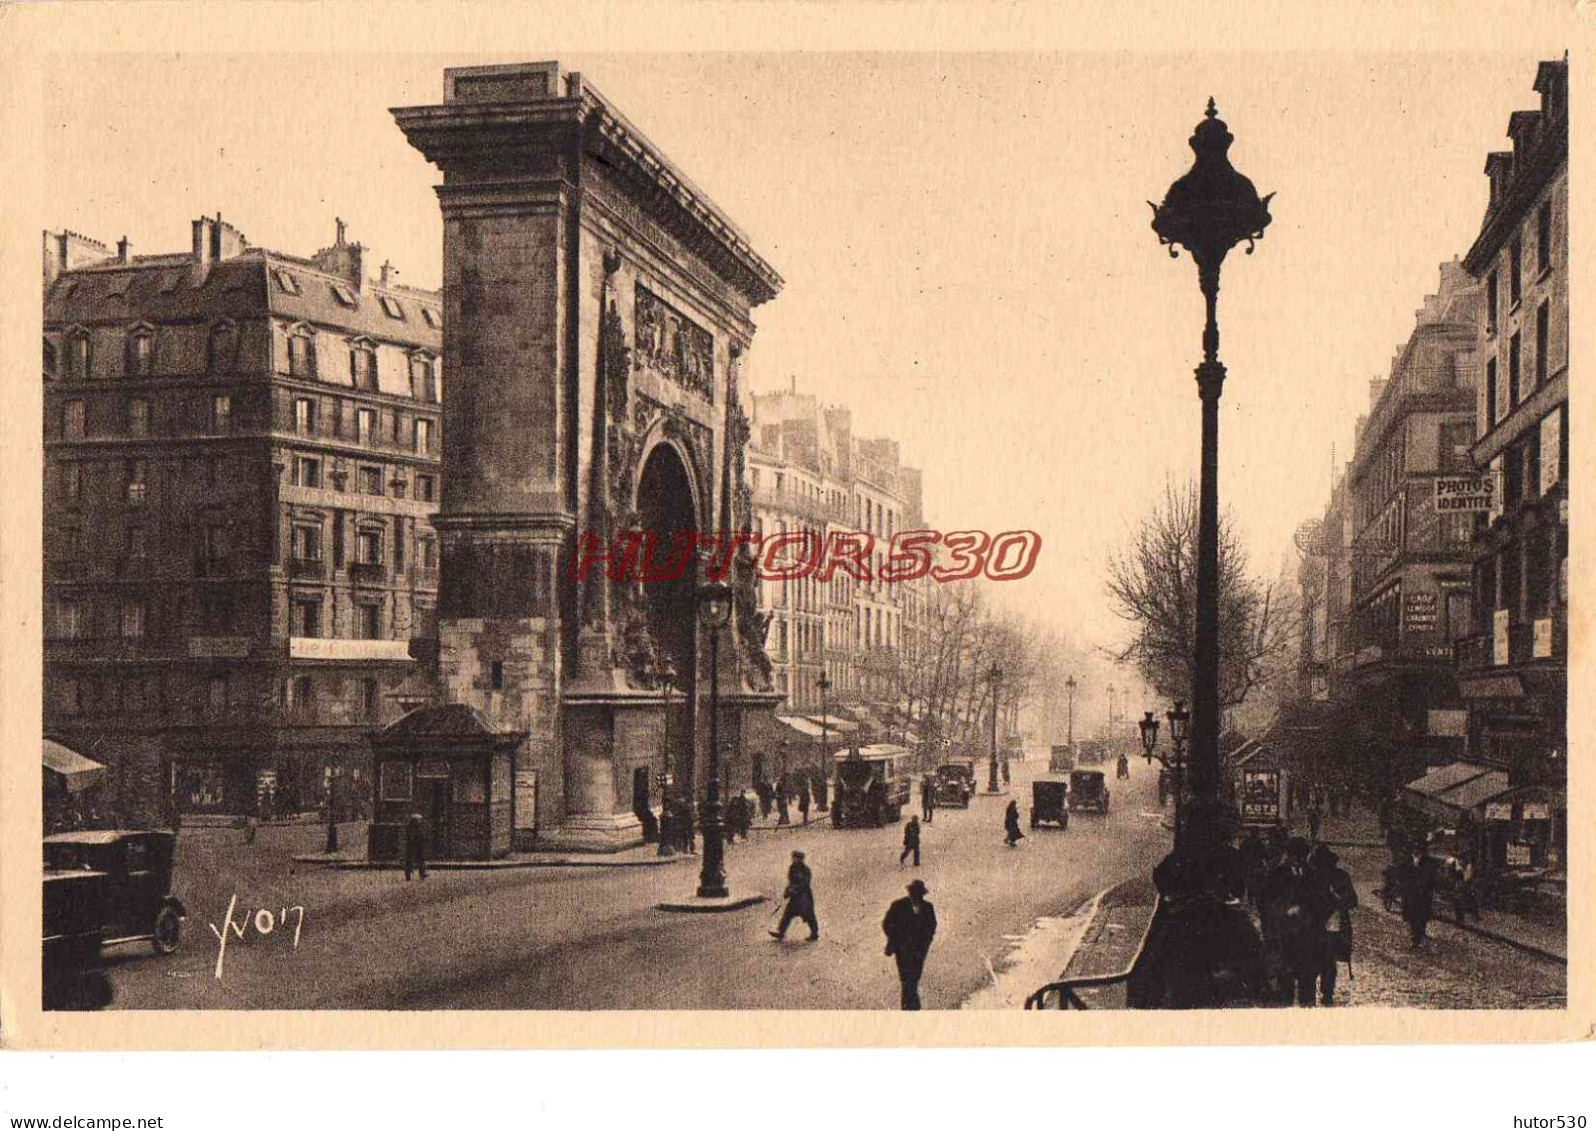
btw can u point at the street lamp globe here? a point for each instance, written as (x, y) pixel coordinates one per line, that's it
(1213, 207)
(995, 676)
(714, 605)
(1179, 721)
(1149, 729)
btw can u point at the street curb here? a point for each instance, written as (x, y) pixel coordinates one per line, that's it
(495, 866)
(713, 906)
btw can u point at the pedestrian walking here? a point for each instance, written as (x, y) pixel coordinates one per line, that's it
(1315, 815)
(1293, 927)
(910, 925)
(911, 841)
(1337, 899)
(1465, 893)
(928, 798)
(781, 803)
(1011, 825)
(820, 792)
(415, 846)
(1415, 878)
(800, 897)
(803, 801)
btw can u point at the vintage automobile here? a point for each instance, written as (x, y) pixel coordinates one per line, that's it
(1092, 751)
(115, 884)
(1049, 803)
(1088, 790)
(955, 783)
(1061, 759)
(872, 786)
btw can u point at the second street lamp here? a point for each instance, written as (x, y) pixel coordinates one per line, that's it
(994, 677)
(666, 674)
(1070, 738)
(714, 611)
(1179, 722)
(824, 685)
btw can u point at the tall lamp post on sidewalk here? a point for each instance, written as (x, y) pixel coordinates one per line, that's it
(825, 720)
(666, 674)
(714, 611)
(1179, 720)
(995, 678)
(1209, 211)
(1069, 685)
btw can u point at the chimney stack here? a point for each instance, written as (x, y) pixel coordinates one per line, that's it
(124, 250)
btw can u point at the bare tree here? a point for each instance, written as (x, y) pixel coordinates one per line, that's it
(1153, 585)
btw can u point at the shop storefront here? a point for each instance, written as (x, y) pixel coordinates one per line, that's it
(1515, 834)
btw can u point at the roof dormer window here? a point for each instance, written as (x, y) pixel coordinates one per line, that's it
(286, 281)
(391, 307)
(431, 317)
(343, 295)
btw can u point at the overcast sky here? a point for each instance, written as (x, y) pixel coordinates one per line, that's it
(964, 239)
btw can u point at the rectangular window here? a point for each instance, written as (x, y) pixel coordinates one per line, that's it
(394, 783)
(1515, 273)
(140, 355)
(398, 544)
(423, 437)
(307, 472)
(216, 612)
(1490, 393)
(302, 693)
(132, 620)
(363, 369)
(72, 483)
(301, 356)
(72, 621)
(307, 543)
(73, 419)
(368, 547)
(1543, 236)
(1543, 317)
(221, 414)
(138, 482)
(423, 380)
(216, 695)
(80, 358)
(305, 416)
(287, 281)
(426, 489)
(429, 554)
(365, 425)
(371, 481)
(1454, 443)
(1514, 371)
(391, 307)
(369, 621)
(307, 618)
(137, 543)
(369, 701)
(1492, 294)
(138, 417)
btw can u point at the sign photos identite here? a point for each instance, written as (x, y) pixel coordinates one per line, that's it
(1455, 494)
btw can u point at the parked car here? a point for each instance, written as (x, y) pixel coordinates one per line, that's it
(115, 884)
(1088, 790)
(872, 786)
(1049, 803)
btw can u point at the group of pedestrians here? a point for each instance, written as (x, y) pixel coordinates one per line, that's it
(1304, 900)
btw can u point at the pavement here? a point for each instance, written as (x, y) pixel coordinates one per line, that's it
(574, 937)
(1507, 960)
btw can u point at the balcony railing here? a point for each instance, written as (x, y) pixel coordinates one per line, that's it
(1478, 653)
(804, 506)
(302, 568)
(368, 571)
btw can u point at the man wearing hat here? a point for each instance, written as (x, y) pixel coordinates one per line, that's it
(910, 925)
(800, 900)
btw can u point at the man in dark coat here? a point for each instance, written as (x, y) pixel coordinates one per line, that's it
(800, 899)
(781, 803)
(1337, 898)
(928, 798)
(415, 846)
(1011, 825)
(1293, 937)
(1416, 878)
(803, 801)
(910, 925)
(820, 792)
(911, 841)
(763, 792)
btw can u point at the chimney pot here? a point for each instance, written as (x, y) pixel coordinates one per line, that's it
(124, 250)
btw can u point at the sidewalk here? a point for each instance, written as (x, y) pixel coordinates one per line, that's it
(644, 856)
(1112, 941)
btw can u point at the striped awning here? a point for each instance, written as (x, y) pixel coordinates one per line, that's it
(78, 772)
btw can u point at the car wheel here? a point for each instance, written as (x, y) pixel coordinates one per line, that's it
(167, 929)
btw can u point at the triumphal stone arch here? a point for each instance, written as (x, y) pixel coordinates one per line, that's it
(597, 311)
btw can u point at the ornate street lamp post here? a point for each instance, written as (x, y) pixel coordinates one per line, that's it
(1069, 685)
(666, 674)
(333, 773)
(714, 611)
(825, 721)
(1179, 722)
(994, 677)
(1209, 211)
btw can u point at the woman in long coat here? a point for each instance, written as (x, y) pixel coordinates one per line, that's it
(1011, 824)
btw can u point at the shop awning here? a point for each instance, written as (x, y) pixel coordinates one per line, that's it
(802, 725)
(78, 772)
(1443, 778)
(833, 724)
(1449, 791)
